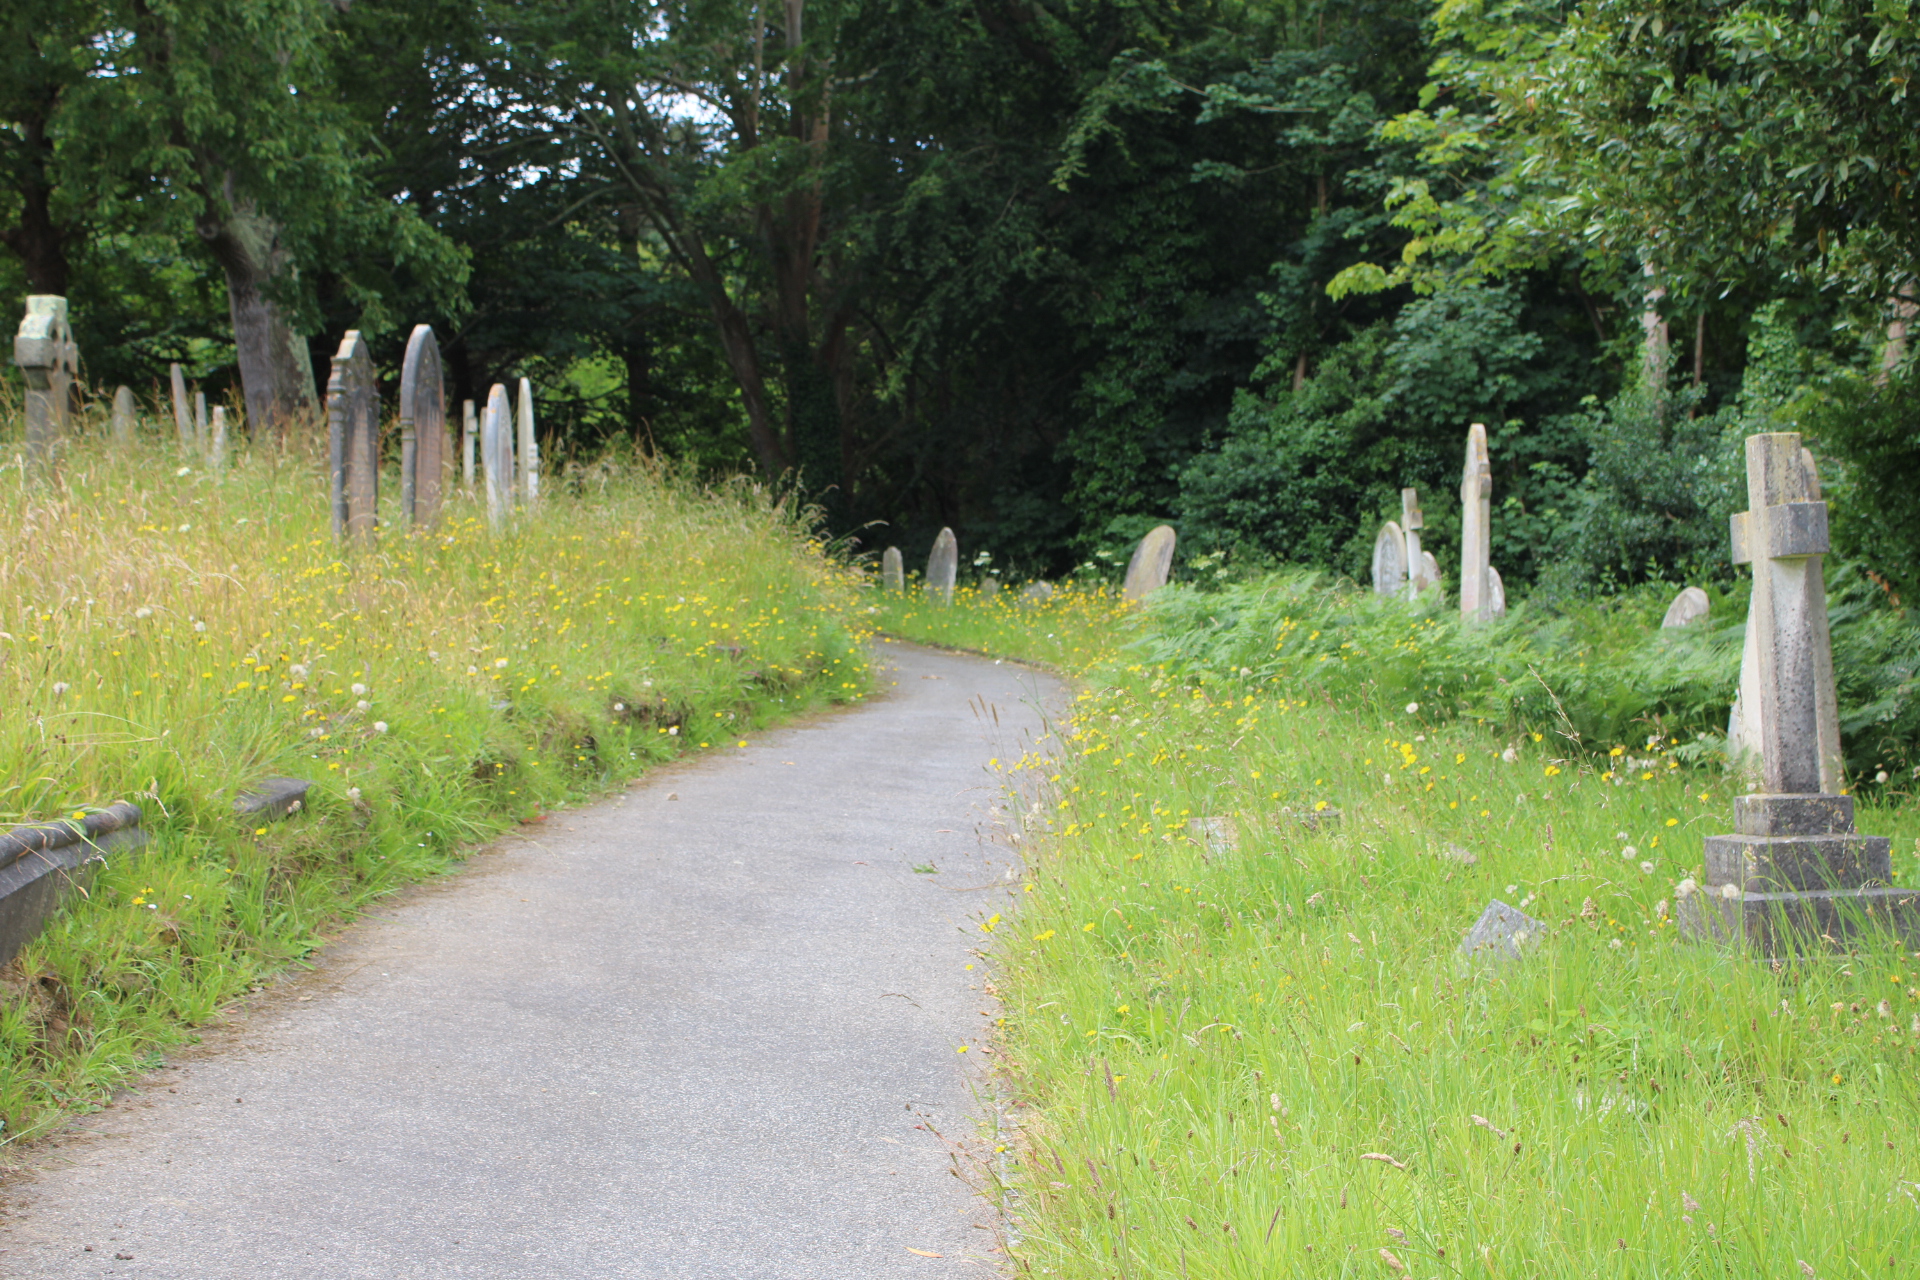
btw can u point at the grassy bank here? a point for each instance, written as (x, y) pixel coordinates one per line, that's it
(168, 635)
(1074, 626)
(1247, 1045)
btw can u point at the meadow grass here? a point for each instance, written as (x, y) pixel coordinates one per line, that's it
(1245, 1043)
(1069, 630)
(168, 635)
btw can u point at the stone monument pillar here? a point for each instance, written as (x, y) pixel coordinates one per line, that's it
(1420, 579)
(123, 411)
(50, 360)
(1795, 870)
(469, 436)
(1476, 529)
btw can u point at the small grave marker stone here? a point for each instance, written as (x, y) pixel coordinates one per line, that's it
(1689, 607)
(353, 439)
(529, 490)
(496, 456)
(423, 429)
(1795, 869)
(1152, 561)
(1429, 572)
(49, 359)
(1476, 527)
(271, 799)
(1390, 561)
(123, 411)
(943, 566)
(1036, 593)
(1496, 594)
(1502, 933)
(217, 440)
(893, 571)
(182, 420)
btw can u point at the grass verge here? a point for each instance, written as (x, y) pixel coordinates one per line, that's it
(168, 635)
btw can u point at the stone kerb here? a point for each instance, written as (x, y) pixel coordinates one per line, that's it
(353, 440)
(1390, 561)
(1476, 528)
(529, 462)
(1794, 871)
(893, 571)
(424, 455)
(42, 865)
(1151, 563)
(943, 566)
(49, 360)
(496, 456)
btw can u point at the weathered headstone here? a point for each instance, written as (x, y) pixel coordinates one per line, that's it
(1476, 528)
(423, 429)
(217, 440)
(1036, 593)
(1496, 594)
(1795, 870)
(272, 799)
(469, 438)
(1390, 561)
(1502, 933)
(353, 439)
(529, 460)
(49, 360)
(1412, 521)
(1429, 576)
(200, 417)
(893, 570)
(123, 411)
(182, 421)
(1152, 561)
(1689, 607)
(496, 456)
(989, 586)
(943, 566)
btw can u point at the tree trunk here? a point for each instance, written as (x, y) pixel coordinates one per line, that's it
(276, 375)
(40, 242)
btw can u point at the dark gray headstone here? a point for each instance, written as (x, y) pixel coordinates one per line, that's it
(1502, 932)
(353, 439)
(424, 454)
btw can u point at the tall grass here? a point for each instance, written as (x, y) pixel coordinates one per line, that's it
(1246, 1045)
(1069, 628)
(168, 635)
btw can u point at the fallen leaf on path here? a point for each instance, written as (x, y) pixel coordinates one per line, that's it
(923, 1252)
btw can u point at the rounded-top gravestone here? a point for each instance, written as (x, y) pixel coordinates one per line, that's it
(943, 566)
(496, 455)
(529, 446)
(1689, 607)
(123, 411)
(353, 439)
(1390, 560)
(1152, 561)
(893, 570)
(424, 454)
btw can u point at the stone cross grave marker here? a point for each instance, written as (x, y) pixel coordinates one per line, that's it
(423, 430)
(1476, 528)
(353, 439)
(943, 566)
(49, 359)
(123, 411)
(1689, 607)
(1795, 870)
(496, 456)
(1411, 523)
(529, 473)
(182, 421)
(893, 570)
(1152, 561)
(217, 440)
(469, 437)
(1390, 561)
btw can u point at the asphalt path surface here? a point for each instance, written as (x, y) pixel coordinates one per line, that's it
(709, 1028)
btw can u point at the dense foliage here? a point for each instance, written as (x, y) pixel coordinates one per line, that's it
(1046, 271)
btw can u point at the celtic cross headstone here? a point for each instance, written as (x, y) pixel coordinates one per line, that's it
(49, 359)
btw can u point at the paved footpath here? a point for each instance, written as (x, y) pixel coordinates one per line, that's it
(706, 1029)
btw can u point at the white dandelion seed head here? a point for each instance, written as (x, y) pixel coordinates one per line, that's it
(379, 726)
(1729, 891)
(1660, 909)
(316, 732)
(359, 691)
(1615, 945)
(199, 626)
(473, 671)
(1509, 755)
(298, 671)
(1880, 776)
(184, 471)
(499, 663)
(1512, 889)
(1629, 853)
(1647, 868)
(353, 793)
(1685, 888)
(1413, 708)
(673, 730)
(143, 612)
(362, 705)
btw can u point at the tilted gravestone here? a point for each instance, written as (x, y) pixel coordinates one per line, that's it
(1152, 561)
(1476, 528)
(123, 412)
(893, 570)
(423, 429)
(469, 437)
(1390, 561)
(529, 460)
(1429, 572)
(353, 439)
(1795, 870)
(943, 566)
(496, 456)
(1502, 933)
(182, 420)
(49, 359)
(1689, 607)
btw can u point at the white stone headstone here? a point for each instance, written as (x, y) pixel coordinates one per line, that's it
(1496, 594)
(943, 566)
(469, 438)
(1689, 607)
(496, 456)
(1476, 528)
(1152, 561)
(893, 570)
(217, 440)
(1429, 575)
(529, 459)
(1390, 560)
